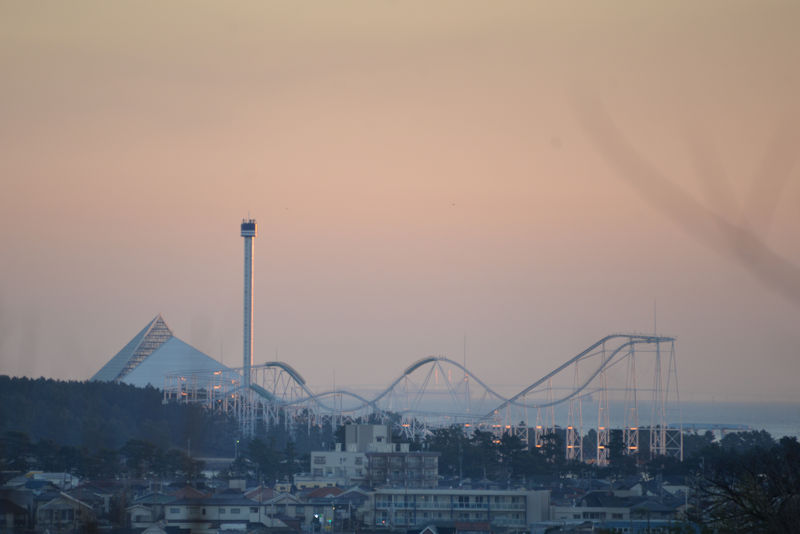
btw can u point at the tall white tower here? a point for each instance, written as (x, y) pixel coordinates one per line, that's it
(249, 231)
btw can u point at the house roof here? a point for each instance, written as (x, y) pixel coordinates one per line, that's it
(92, 488)
(188, 492)
(87, 495)
(601, 499)
(219, 499)
(260, 494)
(653, 506)
(155, 498)
(63, 497)
(321, 493)
(284, 498)
(8, 507)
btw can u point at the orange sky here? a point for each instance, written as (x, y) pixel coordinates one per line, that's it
(419, 173)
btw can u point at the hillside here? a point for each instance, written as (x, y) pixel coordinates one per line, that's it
(102, 415)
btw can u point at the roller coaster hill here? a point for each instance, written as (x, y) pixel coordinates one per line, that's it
(626, 382)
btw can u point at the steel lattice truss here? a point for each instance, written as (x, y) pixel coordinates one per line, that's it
(623, 381)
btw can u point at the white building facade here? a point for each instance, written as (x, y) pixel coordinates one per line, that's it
(403, 509)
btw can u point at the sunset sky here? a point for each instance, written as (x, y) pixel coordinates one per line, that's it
(420, 172)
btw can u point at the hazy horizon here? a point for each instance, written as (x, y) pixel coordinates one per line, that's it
(529, 176)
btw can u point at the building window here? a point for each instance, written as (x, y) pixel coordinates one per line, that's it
(174, 510)
(221, 511)
(319, 459)
(253, 510)
(235, 510)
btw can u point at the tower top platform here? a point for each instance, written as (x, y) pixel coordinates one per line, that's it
(249, 228)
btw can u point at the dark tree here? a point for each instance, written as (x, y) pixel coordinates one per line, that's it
(752, 490)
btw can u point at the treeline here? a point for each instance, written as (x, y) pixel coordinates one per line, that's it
(135, 459)
(483, 455)
(105, 416)
(747, 483)
(508, 459)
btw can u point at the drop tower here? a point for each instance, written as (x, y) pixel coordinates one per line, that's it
(249, 231)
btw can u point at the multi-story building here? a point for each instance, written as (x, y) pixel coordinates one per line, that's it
(403, 469)
(403, 509)
(342, 468)
(368, 456)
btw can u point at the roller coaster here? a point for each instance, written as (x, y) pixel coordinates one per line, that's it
(625, 381)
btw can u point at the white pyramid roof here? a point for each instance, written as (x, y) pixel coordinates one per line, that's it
(153, 353)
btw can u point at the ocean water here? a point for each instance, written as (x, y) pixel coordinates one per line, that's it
(779, 419)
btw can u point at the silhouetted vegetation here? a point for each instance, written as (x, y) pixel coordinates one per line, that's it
(101, 415)
(749, 483)
(135, 459)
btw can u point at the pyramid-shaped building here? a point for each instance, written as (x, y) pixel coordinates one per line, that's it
(153, 354)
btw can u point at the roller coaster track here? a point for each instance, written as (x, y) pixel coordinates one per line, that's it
(373, 403)
(607, 360)
(605, 363)
(279, 392)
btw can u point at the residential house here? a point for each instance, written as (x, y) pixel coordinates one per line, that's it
(148, 509)
(222, 511)
(65, 513)
(12, 517)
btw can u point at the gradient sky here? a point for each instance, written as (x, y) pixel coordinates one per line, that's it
(420, 172)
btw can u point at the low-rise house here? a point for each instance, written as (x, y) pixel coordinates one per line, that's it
(223, 511)
(260, 494)
(629, 488)
(12, 517)
(594, 506)
(652, 509)
(285, 506)
(335, 509)
(148, 509)
(21, 497)
(602, 507)
(140, 516)
(98, 498)
(65, 513)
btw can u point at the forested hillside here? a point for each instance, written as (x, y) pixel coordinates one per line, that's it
(102, 415)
